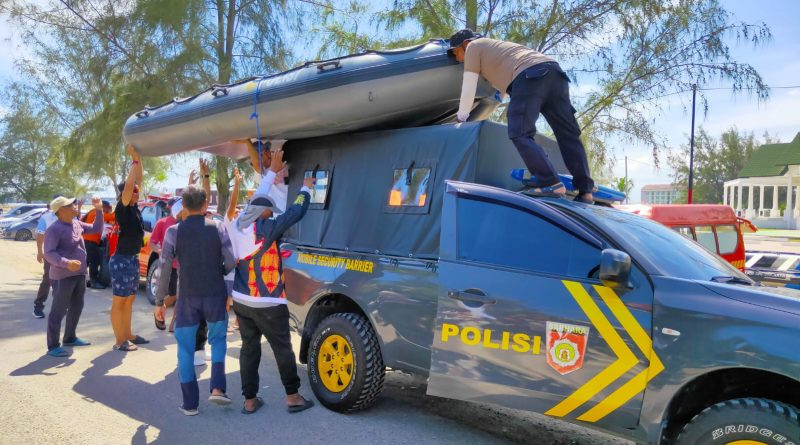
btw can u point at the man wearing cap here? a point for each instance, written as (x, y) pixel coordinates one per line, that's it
(259, 299)
(93, 246)
(45, 221)
(204, 255)
(536, 84)
(65, 250)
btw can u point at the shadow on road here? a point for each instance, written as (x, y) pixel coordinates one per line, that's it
(42, 364)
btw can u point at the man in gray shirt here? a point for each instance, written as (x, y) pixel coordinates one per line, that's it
(204, 255)
(65, 251)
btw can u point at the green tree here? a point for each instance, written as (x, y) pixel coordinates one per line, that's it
(635, 51)
(625, 185)
(100, 62)
(715, 161)
(29, 157)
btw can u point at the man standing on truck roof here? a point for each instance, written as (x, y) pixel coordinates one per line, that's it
(204, 255)
(536, 83)
(259, 299)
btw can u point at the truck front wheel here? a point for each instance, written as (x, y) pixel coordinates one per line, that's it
(345, 366)
(744, 421)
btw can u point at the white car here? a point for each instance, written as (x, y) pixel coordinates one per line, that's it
(11, 220)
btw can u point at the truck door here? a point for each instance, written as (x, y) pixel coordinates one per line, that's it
(521, 322)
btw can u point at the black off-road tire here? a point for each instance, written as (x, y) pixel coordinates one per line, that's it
(148, 283)
(24, 235)
(761, 420)
(369, 371)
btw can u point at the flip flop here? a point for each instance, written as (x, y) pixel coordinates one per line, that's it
(137, 340)
(160, 324)
(548, 191)
(219, 399)
(125, 347)
(297, 408)
(58, 352)
(259, 403)
(78, 342)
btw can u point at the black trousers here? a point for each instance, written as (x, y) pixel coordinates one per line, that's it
(273, 323)
(67, 300)
(93, 262)
(44, 288)
(544, 88)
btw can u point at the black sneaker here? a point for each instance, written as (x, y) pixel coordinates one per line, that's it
(38, 313)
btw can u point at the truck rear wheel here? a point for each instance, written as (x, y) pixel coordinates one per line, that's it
(345, 366)
(744, 421)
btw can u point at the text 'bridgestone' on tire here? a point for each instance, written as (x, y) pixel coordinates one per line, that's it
(746, 420)
(345, 366)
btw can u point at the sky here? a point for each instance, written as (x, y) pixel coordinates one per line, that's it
(777, 62)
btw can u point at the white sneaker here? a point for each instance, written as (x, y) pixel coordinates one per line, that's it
(198, 358)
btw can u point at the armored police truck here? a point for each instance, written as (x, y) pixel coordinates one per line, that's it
(419, 254)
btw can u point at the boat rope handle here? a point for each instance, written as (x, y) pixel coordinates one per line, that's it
(258, 126)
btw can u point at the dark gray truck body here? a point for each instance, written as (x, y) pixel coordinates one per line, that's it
(468, 289)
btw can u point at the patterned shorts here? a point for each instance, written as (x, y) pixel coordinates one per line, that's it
(124, 274)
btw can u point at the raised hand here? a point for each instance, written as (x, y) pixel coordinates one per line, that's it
(97, 203)
(309, 181)
(193, 177)
(203, 167)
(132, 152)
(277, 163)
(237, 176)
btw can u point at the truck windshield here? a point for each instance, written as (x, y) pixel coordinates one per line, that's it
(674, 254)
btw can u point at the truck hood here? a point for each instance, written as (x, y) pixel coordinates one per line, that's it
(780, 298)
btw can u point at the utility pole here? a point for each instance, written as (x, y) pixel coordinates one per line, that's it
(627, 198)
(691, 148)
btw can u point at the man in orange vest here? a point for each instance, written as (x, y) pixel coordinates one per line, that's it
(93, 244)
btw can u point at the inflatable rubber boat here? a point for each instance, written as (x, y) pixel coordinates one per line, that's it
(408, 87)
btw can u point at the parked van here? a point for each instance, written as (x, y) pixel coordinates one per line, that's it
(715, 226)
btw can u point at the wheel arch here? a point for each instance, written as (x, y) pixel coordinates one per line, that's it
(725, 384)
(324, 306)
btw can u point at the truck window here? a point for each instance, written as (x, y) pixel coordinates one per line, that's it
(320, 191)
(410, 192)
(705, 236)
(685, 231)
(728, 239)
(501, 235)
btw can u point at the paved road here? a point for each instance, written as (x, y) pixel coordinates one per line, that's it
(102, 396)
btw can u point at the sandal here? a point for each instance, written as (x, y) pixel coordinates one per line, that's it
(160, 324)
(297, 408)
(259, 403)
(137, 340)
(58, 352)
(219, 399)
(549, 191)
(126, 346)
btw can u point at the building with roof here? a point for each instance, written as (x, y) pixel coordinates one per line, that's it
(660, 194)
(767, 191)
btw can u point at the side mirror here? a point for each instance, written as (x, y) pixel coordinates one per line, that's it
(615, 268)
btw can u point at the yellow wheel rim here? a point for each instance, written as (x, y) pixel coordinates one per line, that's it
(746, 442)
(335, 363)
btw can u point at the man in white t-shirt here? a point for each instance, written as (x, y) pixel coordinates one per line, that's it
(45, 221)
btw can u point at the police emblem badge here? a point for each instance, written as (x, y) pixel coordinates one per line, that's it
(566, 346)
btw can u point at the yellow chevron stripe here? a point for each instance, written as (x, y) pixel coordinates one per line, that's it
(638, 383)
(625, 357)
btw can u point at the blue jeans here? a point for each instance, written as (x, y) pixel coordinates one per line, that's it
(189, 313)
(544, 88)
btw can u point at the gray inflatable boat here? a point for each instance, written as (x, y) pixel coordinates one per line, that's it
(408, 87)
